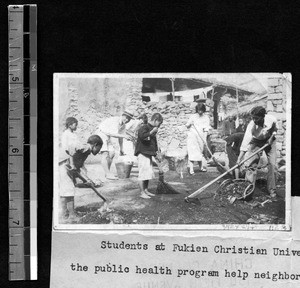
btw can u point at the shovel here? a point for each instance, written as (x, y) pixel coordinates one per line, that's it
(197, 192)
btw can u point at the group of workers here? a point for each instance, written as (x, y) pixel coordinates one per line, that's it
(141, 132)
(240, 142)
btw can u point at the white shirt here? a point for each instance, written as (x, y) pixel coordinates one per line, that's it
(112, 125)
(258, 132)
(202, 123)
(69, 141)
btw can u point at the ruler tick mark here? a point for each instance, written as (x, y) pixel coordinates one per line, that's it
(15, 262)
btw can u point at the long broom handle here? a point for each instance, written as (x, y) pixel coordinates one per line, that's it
(90, 185)
(203, 140)
(79, 175)
(205, 143)
(197, 192)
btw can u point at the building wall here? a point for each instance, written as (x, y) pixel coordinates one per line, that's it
(173, 132)
(276, 105)
(91, 100)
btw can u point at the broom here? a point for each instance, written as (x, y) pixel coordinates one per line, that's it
(162, 186)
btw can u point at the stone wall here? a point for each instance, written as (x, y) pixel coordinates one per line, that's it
(172, 134)
(276, 106)
(91, 100)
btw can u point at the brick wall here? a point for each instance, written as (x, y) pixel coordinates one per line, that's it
(276, 105)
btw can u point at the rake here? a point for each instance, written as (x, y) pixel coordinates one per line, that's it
(197, 192)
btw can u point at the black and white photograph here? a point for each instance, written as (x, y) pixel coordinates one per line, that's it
(172, 151)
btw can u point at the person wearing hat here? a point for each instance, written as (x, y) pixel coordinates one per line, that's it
(112, 127)
(261, 130)
(78, 154)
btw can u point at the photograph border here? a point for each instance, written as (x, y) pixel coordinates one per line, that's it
(165, 227)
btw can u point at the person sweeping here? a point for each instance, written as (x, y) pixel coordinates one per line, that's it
(261, 130)
(146, 148)
(78, 154)
(198, 123)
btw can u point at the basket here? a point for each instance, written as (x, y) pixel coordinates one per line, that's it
(123, 169)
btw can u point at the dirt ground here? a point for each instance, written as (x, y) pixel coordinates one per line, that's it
(126, 207)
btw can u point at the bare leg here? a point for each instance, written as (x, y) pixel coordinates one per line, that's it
(111, 155)
(191, 166)
(63, 212)
(271, 178)
(236, 173)
(142, 186)
(251, 172)
(70, 207)
(106, 161)
(202, 164)
(146, 189)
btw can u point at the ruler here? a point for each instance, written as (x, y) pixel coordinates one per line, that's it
(22, 150)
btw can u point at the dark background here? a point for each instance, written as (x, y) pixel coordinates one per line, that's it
(141, 36)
